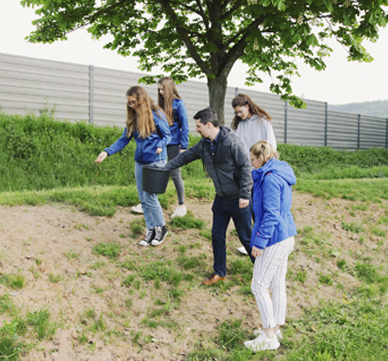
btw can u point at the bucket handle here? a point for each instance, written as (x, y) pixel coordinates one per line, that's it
(160, 159)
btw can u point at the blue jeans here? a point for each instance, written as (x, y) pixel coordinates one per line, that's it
(223, 211)
(153, 214)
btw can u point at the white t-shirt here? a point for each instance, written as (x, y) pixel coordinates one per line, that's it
(253, 129)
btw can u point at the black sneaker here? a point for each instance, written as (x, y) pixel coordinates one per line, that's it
(148, 238)
(160, 235)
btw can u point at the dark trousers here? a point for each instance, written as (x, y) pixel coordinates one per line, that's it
(223, 211)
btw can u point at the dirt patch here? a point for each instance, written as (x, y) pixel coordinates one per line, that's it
(52, 247)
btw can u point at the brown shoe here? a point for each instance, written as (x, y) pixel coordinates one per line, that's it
(212, 280)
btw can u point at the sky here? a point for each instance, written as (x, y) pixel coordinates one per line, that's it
(342, 82)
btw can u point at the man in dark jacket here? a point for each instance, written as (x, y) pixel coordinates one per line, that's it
(227, 163)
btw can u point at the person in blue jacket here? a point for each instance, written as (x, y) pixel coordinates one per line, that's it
(174, 107)
(272, 241)
(147, 125)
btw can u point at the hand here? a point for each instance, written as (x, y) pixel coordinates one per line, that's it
(159, 150)
(101, 157)
(243, 203)
(181, 151)
(256, 252)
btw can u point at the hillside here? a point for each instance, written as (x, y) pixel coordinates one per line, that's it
(148, 303)
(377, 108)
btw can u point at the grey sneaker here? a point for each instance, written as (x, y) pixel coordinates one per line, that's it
(148, 238)
(262, 343)
(160, 235)
(137, 209)
(180, 211)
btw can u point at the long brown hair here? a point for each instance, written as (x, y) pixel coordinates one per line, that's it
(170, 93)
(142, 119)
(242, 100)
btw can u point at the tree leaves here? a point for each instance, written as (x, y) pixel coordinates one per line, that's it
(196, 38)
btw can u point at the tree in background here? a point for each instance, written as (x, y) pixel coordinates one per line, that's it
(205, 38)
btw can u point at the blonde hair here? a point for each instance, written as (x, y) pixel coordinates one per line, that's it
(264, 151)
(170, 93)
(142, 119)
(241, 100)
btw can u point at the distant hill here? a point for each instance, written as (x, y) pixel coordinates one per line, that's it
(378, 108)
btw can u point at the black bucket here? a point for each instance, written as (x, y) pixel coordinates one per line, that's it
(155, 179)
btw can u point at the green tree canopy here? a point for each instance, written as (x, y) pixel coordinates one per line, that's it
(205, 38)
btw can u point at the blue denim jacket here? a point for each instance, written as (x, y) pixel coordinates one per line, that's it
(180, 128)
(146, 148)
(272, 198)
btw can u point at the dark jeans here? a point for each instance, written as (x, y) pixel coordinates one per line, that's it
(223, 211)
(172, 152)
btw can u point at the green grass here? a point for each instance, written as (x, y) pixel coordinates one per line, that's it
(45, 161)
(40, 153)
(110, 250)
(14, 280)
(366, 190)
(187, 222)
(352, 227)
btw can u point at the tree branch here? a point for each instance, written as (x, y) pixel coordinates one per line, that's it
(236, 5)
(185, 36)
(238, 49)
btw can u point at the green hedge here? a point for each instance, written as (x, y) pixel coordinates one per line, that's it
(43, 153)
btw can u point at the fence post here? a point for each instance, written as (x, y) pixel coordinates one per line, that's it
(285, 120)
(91, 94)
(386, 133)
(326, 119)
(358, 131)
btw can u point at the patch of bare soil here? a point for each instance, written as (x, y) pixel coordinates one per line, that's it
(39, 242)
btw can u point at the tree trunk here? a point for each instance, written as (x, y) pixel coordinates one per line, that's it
(217, 92)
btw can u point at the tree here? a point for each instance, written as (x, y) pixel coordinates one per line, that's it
(205, 38)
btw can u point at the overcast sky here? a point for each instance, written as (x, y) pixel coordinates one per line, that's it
(342, 82)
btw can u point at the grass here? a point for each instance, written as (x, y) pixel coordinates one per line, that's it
(110, 250)
(14, 281)
(365, 190)
(48, 162)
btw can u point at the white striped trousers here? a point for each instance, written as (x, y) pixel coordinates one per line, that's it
(270, 270)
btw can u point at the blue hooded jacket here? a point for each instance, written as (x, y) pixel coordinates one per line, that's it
(146, 148)
(272, 198)
(180, 128)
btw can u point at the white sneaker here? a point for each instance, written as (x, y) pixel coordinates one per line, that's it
(277, 333)
(137, 209)
(242, 250)
(262, 343)
(180, 211)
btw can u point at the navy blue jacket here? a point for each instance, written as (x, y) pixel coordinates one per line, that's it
(146, 147)
(180, 128)
(272, 198)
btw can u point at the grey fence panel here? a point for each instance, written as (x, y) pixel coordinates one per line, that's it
(342, 130)
(110, 87)
(274, 106)
(29, 85)
(306, 126)
(372, 132)
(195, 95)
(79, 92)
